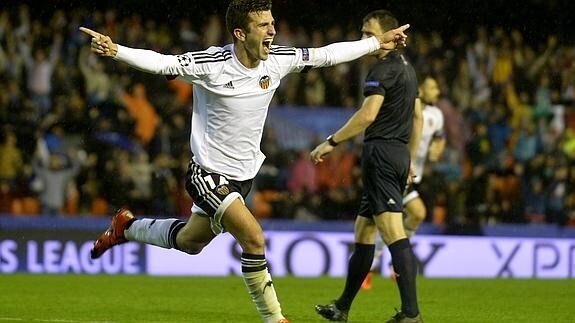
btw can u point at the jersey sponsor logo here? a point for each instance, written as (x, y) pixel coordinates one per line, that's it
(305, 54)
(184, 60)
(229, 85)
(265, 82)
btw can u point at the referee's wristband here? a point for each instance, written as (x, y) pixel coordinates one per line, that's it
(330, 141)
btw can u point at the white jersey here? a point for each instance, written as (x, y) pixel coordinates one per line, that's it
(432, 128)
(231, 101)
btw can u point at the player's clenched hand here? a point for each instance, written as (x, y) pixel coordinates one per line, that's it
(321, 150)
(395, 38)
(101, 44)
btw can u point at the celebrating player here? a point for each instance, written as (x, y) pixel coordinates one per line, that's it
(234, 85)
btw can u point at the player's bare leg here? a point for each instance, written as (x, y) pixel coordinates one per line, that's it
(414, 216)
(195, 235)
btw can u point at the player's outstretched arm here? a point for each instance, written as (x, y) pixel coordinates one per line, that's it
(101, 44)
(341, 52)
(395, 38)
(145, 60)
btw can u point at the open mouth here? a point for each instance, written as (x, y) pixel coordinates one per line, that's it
(267, 45)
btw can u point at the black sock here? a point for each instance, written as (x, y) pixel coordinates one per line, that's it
(253, 263)
(405, 267)
(358, 267)
(173, 232)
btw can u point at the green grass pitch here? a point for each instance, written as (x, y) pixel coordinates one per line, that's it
(101, 298)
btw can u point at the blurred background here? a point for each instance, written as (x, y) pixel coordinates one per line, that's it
(81, 136)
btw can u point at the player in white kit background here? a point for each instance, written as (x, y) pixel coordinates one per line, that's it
(431, 146)
(233, 87)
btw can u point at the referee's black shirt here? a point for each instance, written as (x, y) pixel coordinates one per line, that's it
(395, 79)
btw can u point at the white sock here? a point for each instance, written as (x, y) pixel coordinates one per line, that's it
(158, 232)
(261, 288)
(379, 245)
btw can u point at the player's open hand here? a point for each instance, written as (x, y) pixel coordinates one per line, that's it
(321, 150)
(393, 39)
(101, 44)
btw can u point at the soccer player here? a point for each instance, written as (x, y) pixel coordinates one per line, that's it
(431, 145)
(233, 87)
(391, 118)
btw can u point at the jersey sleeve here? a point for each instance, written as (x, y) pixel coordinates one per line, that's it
(378, 81)
(288, 59)
(342, 52)
(191, 65)
(439, 130)
(292, 59)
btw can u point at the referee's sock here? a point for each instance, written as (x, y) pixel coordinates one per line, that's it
(260, 286)
(358, 266)
(405, 268)
(158, 232)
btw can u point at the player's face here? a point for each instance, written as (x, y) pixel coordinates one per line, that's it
(429, 91)
(372, 28)
(260, 35)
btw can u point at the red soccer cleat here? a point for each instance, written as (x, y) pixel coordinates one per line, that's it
(114, 235)
(367, 282)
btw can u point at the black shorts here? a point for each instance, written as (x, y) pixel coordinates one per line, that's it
(210, 191)
(385, 168)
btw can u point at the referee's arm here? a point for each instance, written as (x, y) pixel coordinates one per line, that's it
(361, 119)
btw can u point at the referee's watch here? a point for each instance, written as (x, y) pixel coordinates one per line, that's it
(330, 141)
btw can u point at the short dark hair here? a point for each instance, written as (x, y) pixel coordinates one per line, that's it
(238, 10)
(422, 77)
(386, 19)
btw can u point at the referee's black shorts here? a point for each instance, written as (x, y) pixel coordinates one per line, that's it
(385, 168)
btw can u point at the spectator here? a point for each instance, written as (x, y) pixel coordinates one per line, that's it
(39, 68)
(302, 177)
(98, 84)
(10, 157)
(54, 176)
(557, 192)
(142, 111)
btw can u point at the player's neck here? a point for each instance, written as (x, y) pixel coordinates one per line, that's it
(244, 57)
(384, 53)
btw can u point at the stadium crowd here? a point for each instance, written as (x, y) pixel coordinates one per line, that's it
(82, 136)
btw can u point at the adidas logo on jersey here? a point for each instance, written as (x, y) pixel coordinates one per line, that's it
(229, 85)
(390, 202)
